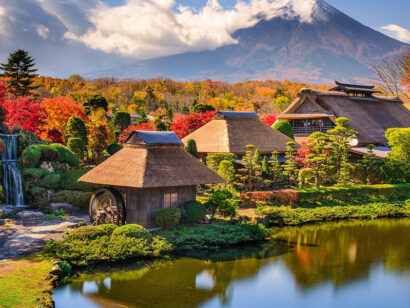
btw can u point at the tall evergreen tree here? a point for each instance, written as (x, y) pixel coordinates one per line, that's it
(251, 172)
(290, 167)
(20, 73)
(275, 169)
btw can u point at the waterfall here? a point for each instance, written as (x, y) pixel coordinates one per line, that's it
(12, 183)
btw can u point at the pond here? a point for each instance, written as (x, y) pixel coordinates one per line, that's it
(344, 264)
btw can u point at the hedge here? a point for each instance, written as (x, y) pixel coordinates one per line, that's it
(328, 195)
(287, 216)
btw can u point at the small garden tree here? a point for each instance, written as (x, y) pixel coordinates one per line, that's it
(121, 120)
(275, 170)
(284, 127)
(399, 157)
(95, 102)
(250, 175)
(214, 159)
(220, 200)
(290, 167)
(226, 170)
(191, 148)
(76, 136)
(368, 169)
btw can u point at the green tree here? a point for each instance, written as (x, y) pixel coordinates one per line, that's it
(94, 102)
(160, 124)
(76, 136)
(191, 148)
(340, 136)
(226, 170)
(202, 108)
(275, 170)
(170, 114)
(20, 73)
(290, 167)
(399, 141)
(284, 127)
(143, 117)
(250, 175)
(281, 103)
(121, 120)
(370, 167)
(220, 200)
(317, 156)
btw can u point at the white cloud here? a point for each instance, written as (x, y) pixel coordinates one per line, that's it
(396, 32)
(152, 28)
(42, 31)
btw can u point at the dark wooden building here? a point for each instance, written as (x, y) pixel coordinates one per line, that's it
(151, 172)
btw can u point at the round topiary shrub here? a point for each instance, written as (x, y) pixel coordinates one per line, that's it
(167, 218)
(193, 211)
(86, 233)
(65, 155)
(108, 228)
(114, 148)
(77, 146)
(132, 230)
(284, 127)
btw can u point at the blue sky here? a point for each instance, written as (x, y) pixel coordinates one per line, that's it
(372, 13)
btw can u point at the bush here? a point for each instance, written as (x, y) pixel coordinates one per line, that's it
(80, 199)
(132, 230)
(108, 228)
(274, 197)
(32, 154)
(34, 174)
(65, 155)
(76, 129)
(86, 233)
(70, 181)
(114, 148)
(51, 180)
(77, 146)
(191, 148)
(214, 159)
(286, 216)
(121, 120)
(193, 211)
(284, 127)
(94, 102)
(37, 196)
(168, 218)
(213, 236)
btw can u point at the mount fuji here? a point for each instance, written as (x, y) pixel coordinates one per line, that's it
(300, 40)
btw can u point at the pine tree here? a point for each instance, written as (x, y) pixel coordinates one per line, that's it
(191, 148)
(226, 170)
(76, 136)
(20, 73)
(341, 135)
(290, 167)
(275, 169)
(251, 172)
(94, 102)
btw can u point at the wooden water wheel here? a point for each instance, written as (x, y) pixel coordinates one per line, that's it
(107, 207)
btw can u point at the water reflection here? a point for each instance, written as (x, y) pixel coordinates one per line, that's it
(340, 265)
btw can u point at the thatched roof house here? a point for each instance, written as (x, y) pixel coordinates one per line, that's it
(231, 132)
(151, 172)
(369, 115)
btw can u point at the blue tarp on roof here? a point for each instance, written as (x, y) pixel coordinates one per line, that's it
(149, 137)
(235, 114)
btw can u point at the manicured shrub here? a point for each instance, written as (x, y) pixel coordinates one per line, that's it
(77, 146)
(32, 154)
(132, 230)
(51, 180)
(108, 228)
(167, 218)
(76, 129)
(284, 127)
(65, 155)
(193, 211)
(34, 174)
(86, 233)
(214, 159)
(274, 197)
(37, 196)
(121, 120)
(213, 236)
(70, 181)
(80, 199)
(114, 148)
(94, 102)
(191, 148)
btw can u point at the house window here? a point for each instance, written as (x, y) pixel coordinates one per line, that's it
(170, 199)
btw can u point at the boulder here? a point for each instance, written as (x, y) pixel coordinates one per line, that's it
(29, 216)
(67, 208)
(4, 129)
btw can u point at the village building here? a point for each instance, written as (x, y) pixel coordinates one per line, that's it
(231, 132)
(151, 172)
(369, 114)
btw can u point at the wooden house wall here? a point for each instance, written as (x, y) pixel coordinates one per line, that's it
(141, 203)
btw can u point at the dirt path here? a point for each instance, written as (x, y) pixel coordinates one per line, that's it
(17, 240)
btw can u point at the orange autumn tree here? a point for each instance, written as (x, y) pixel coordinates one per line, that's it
(56, 112)
(99, 133)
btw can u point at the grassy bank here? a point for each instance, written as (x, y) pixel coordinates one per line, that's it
(26, 283)
(288, 216)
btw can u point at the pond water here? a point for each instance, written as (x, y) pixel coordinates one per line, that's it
(344, 264)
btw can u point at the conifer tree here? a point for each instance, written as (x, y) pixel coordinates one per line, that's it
(191, 148)
(275, 169)
(290, 168)
(20, 73)
(250, 173)
(226, 170)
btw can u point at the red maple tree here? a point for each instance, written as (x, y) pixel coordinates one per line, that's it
(189, 123)
(269, 119)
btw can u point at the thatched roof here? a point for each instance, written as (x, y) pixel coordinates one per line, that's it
(152, 159)
(231, 132)
(369, 116)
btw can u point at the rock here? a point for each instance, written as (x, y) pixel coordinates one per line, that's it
(67, 208)
(8, 210)
(29, 216)
(4, 129)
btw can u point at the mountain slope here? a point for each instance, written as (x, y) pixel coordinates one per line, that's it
(305, 40)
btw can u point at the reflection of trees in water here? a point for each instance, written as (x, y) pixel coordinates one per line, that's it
(345, 251)
(173, 283)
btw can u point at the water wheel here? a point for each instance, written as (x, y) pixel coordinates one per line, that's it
(107, 207)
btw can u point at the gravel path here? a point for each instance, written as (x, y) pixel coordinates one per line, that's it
(17, 240)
